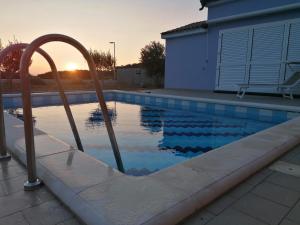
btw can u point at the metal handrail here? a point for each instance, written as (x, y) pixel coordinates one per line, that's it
(3, 149)
(21, 46)
(33, 181)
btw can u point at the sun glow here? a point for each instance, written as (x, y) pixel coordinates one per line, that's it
(71, 66)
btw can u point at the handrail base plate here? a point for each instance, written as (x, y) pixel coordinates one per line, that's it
(31, 186)
(5, 157)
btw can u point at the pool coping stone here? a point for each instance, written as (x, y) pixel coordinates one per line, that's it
(107, 196)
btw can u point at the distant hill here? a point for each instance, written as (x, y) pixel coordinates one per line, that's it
(77, 74)
(134, 65)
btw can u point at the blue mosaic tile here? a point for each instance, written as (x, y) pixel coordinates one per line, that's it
(177, 103)
(279, 116)
(166, 102)
(17, 102)
(229, 110)
(158, 101)
(193, 106)
(185, 105)
(219, 109)
(143, 100)
(252, 113)
(210, 107)
(265, 115)
(292, 115)
(171, 104)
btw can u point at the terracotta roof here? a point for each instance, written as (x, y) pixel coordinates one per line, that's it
(189, 27)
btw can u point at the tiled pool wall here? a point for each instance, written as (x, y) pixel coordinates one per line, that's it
(249, 112)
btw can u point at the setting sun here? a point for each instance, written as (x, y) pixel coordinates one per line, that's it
(71, 66)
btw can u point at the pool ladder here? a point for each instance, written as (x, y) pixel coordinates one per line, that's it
(33, 182)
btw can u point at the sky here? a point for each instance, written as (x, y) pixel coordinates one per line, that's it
(130, 23)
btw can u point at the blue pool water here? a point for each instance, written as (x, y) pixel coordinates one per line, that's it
(149, 138)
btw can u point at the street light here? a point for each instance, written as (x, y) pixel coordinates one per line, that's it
(115, 72)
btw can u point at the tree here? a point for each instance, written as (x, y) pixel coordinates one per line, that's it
(153, 60)
(103, 60)
(11, 62)
(10, 65)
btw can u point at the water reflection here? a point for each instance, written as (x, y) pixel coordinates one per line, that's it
(149, 138)
(152, 119)
(96, 118)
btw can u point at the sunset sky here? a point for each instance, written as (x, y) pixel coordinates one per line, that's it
(130, 23)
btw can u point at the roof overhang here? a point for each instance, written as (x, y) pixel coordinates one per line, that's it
(219, 2)
(208, 3)
(184, 33)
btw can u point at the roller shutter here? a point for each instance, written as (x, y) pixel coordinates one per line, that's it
(258, 55)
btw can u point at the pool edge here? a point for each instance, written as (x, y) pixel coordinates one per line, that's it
(186, 203)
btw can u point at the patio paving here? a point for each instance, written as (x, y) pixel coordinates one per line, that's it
(18, 207)
(270, 197)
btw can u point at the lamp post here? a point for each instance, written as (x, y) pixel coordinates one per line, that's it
(115, 72)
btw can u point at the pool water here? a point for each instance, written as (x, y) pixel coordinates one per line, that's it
(149, 138)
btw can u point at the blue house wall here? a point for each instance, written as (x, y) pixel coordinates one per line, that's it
(186, 63)
(191, 60)
(233, 7)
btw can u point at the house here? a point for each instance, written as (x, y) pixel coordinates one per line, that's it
(242, 41)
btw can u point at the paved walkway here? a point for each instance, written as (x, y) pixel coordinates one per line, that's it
(271, 197)
(18, 207)
(231, 97)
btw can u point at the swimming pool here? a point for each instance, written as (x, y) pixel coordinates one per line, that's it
(82, 181)
(150, 137)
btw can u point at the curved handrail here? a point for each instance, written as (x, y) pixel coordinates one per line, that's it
(20, 46)
(27, 111)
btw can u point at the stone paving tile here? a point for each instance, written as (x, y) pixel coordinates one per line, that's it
(287, 181)
(17, 201)
(11, 171)
(48, 213)
(234, 217)
(40, 206)
(241, 190)
(201, 218)
(277, 194)
(261, 209)
(14, 219)
(294, 214)
(295, 159)
(14, 184)
(9, 163)
(219, 205)
(286, 168)
(292, 156)
(266, 184)
(44, 194)
(72, 221)
(259, 177)
(2, 190)
(288, 222)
